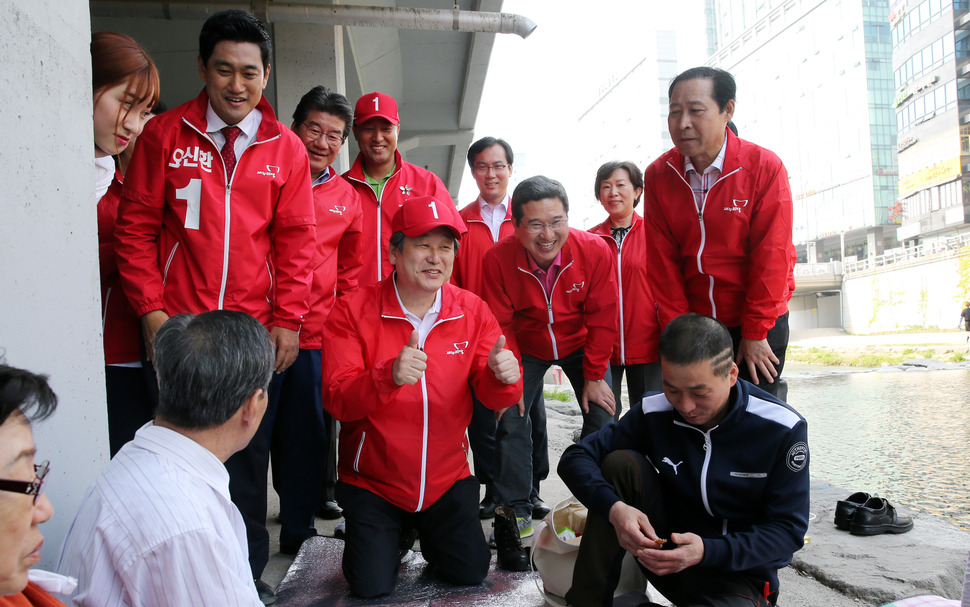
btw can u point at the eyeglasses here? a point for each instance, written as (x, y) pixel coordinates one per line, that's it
(537, 227)
(498, 167)
(314, 132)
(28, 487)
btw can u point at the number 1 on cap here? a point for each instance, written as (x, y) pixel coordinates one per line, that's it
(376, 104)
(434, 209)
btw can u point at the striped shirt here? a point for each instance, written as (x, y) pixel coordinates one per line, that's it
(157, 527)
(701, 183)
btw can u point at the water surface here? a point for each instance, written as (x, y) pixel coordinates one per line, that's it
(903, 435)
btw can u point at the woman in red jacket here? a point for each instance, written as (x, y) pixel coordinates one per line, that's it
(125, 83)
(618, 188)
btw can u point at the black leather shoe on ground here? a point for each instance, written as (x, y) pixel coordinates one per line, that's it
(329, 510)
(539, 508)
(291, 547)
(847, 507)
(879, 516)
(487, 508)
(512, 556)
(266, 594)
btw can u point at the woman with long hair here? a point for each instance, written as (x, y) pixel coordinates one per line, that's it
(618, 188)
(126, 87)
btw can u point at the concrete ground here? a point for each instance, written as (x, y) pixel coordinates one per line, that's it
(834, 569)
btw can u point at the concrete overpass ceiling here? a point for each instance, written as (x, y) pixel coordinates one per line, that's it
(437, 76)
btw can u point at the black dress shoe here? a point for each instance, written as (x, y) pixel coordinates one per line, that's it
(329, 510)
(487, 508)
(512, 556)
(847, 507)
(266, 594)
(291, 547)
(878, 516)
(539, 508)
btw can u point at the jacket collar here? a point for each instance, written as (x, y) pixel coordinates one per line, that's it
(390, 307)
(357, 170)
(604, 229)
(269, 127)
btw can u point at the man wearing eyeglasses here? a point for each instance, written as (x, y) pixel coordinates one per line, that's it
(383, 180)
(157, 527)
(553, 290)
(299, 444)
(489, 219)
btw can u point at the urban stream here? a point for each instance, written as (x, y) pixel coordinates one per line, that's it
(902, 435)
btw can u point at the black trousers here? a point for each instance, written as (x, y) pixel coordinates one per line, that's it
(131, 403)
(451, 535)
(640, 379)
(778, 342)
(598, 564)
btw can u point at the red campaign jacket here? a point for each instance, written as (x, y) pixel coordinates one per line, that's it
(188, 242)
(732, 261)
(474, 244)
(119, 323)
(337, 262)
(407, 443)
(407, 180)
(639, 328)
(581, 314)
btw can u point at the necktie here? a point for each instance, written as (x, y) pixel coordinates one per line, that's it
(229, 150)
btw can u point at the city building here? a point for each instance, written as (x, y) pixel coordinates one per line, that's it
(931, 68)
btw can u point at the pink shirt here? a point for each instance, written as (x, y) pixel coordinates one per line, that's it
(546, 277)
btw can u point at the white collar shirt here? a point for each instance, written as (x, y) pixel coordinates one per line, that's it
(701, 183)
(158, 527)
(423, 325)
(323, 178)
(104, 175)
(248, 125)
(494, 216)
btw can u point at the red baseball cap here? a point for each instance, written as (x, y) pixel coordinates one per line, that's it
(376, 105)
(421, 214)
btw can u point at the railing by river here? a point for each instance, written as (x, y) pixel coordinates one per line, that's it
(951, 245)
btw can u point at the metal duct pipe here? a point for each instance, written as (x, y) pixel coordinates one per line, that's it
(326, 14)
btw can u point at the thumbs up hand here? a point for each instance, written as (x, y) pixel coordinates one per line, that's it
(410, 363)
(503, 363)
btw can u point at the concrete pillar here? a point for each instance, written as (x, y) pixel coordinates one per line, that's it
(874, 242)
(307, 56)
(50, 294)
(811, 250)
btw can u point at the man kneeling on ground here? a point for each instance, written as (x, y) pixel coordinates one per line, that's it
(400, 361)
(706, 484)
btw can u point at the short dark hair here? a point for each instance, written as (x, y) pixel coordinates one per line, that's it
(724, 86)
(536, 188)
(694, 338)
(208, 365)
(322, 99)
(26, 393)
(483, 144)
(234, 25)
(606, 171)
(397, 241)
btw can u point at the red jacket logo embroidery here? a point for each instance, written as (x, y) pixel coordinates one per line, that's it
(338, 209)
(577, 286)
(459, 347)
(270, 171)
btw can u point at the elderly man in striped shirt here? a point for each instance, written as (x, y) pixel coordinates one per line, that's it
(158, 527)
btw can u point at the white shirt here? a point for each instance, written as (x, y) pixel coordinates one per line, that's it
(494, 216)
(104, 174)
(248, 125)
(423, 325)
(157, 527)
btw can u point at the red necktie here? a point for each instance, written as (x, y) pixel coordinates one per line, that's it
(229, 150)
